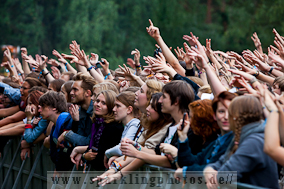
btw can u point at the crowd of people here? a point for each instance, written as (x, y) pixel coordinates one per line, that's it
(201, 110)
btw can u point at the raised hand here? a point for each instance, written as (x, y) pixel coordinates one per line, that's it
(30, 60)
(279, 50)
(136, 54)
(55, 72)
(24, 51)
(72, 58)
(131, 63)
(74, 111)
(256, 42)
(180, 54)
(105, 65)
(7, 53)
(59, 56)
(190, 40)
(277, 36)
(53, 62)
(94, 59)
(126, 73)
(153, 31)
(18, 65)
(195, 55)
(277, 60)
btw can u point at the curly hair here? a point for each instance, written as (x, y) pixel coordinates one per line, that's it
(242, 111)
(202, 122)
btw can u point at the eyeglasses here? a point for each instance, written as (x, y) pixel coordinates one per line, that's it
(24, 88)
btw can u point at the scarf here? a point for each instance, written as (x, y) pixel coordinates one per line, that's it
(255, 127)
(97, 131)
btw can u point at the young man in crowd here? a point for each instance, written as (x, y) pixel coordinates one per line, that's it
(53, 107)
(81, 93)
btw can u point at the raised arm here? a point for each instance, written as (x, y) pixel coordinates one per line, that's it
(170, 57)
(26, 67)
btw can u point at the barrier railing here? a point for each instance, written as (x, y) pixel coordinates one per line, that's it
(32, 172)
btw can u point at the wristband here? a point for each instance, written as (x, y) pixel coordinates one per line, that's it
(65, 63)
(12, 66)
(252, 80)
(45, 74)
(111, 167)
(270, 71)
(88, 69)
(256, 73)
(107, 75)
(137, 146)
(116, 165)
(28, 126)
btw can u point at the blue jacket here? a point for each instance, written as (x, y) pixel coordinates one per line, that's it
(30, 135)
(61, 156)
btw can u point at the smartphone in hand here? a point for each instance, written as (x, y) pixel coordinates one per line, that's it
(182, 124)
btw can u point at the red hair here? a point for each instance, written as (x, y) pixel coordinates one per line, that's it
(202, 122)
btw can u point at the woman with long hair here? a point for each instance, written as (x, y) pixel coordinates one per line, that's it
(106, 132)
(245, 153)
(156, 123)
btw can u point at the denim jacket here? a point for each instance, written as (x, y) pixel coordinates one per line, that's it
(30, 135)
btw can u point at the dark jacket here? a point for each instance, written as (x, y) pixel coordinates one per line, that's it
(80, 134)
(110, 137)
(61, 156)
(195, 142)
(199, 161)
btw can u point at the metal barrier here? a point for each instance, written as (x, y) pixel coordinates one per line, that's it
(32, 172)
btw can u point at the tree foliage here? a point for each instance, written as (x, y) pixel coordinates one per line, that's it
(112, 28)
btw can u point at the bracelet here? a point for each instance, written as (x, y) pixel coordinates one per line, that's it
(111, 167)
(137, 146)
(139, 66)
(45, 74)
(64, 133)
(116, 165)
(252, 80)
(277, 111)
(88, 69)
(65, 63)
(107, 75)
(270, 71)
(256, 73)
(28, 126)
